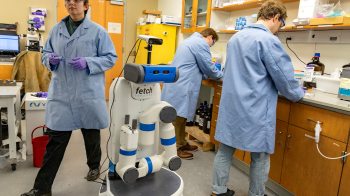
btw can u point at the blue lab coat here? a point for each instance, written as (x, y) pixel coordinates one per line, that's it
(76, 98)
(193, 60)
(257, 68)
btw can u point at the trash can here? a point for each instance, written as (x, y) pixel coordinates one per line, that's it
(39, 147)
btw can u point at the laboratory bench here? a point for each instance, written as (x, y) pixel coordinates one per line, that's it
(296, 166)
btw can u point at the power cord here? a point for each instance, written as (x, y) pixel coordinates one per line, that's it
(289, 38)
(113, 99)
(137, 50)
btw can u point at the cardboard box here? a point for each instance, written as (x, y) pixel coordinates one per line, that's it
(330, 21)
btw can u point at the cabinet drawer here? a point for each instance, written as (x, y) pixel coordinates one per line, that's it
(283, 109)
(334, 125)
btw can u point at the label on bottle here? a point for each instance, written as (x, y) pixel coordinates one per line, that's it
(197, 118)
(309, 74)
(208, 125)
(200, 122)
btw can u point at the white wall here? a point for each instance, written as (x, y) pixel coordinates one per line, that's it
(332, 55)
(172, 8)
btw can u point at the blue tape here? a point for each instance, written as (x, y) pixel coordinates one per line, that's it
(111, 167)
(147, 127)
(127, 153)
(168, 142)
(150, 165)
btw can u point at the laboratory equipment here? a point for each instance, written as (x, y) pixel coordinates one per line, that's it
(344, 87)
(142, 140)
(35, 105)
(10, 99)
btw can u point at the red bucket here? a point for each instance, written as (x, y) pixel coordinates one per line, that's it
(39, 146)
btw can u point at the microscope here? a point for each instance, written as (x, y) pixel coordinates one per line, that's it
(34, 38)
(142, 143)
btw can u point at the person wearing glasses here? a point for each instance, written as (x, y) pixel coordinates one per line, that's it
(77, 52)
(193, 60)
(257, 68)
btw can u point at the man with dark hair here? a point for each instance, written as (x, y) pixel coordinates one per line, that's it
(193, 60)
(257, 68)
(77, 52)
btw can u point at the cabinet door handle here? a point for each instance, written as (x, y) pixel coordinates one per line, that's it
(218, 93)
(314, 121)
(280, 132)
(219, 85)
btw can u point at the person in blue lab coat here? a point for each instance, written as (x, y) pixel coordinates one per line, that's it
(193, 60)
(77, 52)
(257, 68)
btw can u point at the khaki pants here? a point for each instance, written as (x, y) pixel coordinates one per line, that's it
(180, 125)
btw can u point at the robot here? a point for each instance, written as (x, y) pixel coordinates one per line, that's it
(142, 144)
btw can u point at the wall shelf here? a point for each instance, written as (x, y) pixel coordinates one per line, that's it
(299, 28)
(315, 28)
(224, 31)
(245, 5)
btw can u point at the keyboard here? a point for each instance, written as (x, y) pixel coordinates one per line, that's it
(7, 59)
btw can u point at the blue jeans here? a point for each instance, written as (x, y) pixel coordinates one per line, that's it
(259, 170)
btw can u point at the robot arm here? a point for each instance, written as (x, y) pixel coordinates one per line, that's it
(163, 113)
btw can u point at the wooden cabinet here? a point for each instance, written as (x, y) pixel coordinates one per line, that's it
(283, 109)
(344, 189)
(5, 72)
(276, 158)
(195, 15)
(334, 125)
(239, 154)
(305, 171)
(216, 104)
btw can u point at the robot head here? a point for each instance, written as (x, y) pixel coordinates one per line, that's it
(150, 74)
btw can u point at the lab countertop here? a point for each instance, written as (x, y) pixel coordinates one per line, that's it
(327, 101)
(317, 99)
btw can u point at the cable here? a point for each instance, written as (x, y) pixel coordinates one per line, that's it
(110, 110)
(333, 158)
(294, 52)
(137, 51)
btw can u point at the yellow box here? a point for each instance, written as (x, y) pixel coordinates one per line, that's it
(330, 21)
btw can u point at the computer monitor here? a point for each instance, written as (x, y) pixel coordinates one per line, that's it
(9, 44)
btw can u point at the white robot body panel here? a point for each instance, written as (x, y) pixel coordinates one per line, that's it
(142, 138)
(128, 102)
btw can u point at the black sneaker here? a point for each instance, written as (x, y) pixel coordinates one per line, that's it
(93, 174)
(36, 192)
(228, 193)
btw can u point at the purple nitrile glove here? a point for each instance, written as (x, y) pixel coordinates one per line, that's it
(78, 63)
(54, 59)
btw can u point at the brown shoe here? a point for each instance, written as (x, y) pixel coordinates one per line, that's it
(184, 155)
(188, 147)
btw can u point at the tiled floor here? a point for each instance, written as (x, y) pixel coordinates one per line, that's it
(196, 173)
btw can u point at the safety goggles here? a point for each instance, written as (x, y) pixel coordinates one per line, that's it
(73, 1)
(283, 23)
